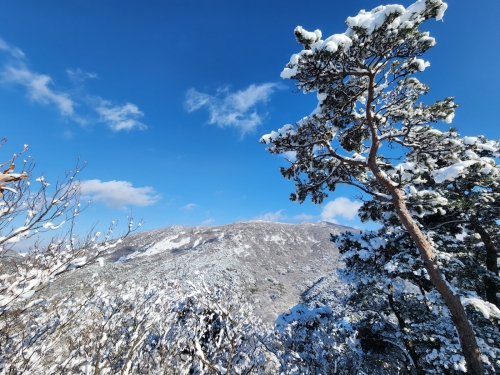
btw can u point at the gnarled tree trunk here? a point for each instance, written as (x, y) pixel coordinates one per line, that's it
(466, 334)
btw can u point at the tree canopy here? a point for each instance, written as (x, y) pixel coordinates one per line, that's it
(371, 130)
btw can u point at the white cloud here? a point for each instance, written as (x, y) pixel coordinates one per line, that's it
(303, 217)
(233, 109)
(117, 194)
(342, 207)
(272, 216)
(14, 51)
(79, 75)
(333, 221)
(120, 117)
(189, 206)
(208, 221)
(38, 88)
(278, 216)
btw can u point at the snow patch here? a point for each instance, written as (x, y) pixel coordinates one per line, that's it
(162, 246)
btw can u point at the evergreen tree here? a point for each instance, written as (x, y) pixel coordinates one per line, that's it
(368, 103)
(395, 308)
(453, 190)
(469, 180)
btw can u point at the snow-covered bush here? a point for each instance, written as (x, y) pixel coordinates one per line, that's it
(30, 206)
(314, 341)
(159, 326)
(214, 330)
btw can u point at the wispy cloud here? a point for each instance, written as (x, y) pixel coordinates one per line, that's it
(116, 194)
(272, 216)
(41, 88)
(38, 88)
(79, 75)
(120, 117)
(279, 216)
(303, 217)
(14, 51)
(208, 221)
(342, 207)
(189, 206)
(233, 109)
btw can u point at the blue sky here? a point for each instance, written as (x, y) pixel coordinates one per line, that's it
(167, 100)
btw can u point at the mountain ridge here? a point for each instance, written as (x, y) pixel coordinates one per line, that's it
(274, 264)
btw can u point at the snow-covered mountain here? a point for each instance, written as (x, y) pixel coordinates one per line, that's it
(272, 263)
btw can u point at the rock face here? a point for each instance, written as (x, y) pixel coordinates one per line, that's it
(273, 264)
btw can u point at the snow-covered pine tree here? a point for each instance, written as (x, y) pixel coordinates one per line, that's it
(368, 98)
(467, 176)
(394, 306)
(453, 189)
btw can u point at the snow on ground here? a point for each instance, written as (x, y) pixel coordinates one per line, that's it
(293, 257)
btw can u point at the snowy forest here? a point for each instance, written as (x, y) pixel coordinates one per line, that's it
(422, 291)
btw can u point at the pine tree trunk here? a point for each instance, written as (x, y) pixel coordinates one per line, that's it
(491, 259)
(466, 334)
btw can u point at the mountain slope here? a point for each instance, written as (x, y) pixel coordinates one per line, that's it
(271, 263)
